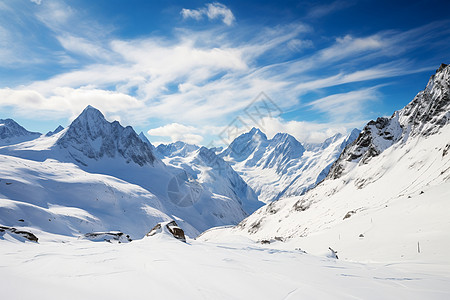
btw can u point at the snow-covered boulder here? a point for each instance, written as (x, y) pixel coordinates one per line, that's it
(168, 228)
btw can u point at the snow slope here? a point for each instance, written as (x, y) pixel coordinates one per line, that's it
(387, 198)
(160, 267)
(283, 167)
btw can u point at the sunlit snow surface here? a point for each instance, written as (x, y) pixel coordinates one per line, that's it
(161, 267)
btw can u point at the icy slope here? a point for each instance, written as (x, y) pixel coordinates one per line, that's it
(387, 197)
(282, 166)
(12, 133)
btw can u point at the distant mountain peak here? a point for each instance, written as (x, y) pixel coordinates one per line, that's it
(12, 133)
(58, 129)
(178, 148)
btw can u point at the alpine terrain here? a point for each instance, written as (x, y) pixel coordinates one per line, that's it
(385, 199)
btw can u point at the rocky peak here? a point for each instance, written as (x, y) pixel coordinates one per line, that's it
(246, 144)
(285, 148)
(430, 109)
(91, 136)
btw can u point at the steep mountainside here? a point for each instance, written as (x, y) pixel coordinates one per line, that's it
(424, 116)
(386, 197)
(282, 166)
(204, 166)
(12, 133)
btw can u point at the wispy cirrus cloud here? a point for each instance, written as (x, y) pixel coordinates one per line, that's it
(320, 11)
(211, 11)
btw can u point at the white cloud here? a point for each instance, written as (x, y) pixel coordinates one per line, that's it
(82, 46)
(320, 11)
(178, 132)
(212, 11)
(67, 102)
(38, 2)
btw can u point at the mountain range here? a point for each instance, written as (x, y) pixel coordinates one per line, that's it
(97, 175)
(387, 196)
(282, 167)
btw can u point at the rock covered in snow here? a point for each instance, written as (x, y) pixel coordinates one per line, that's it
(171, 228)
(111, 236)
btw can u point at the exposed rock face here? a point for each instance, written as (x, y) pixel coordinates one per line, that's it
(425, 115)
(91, 136)
(25, 234)
(12, 133)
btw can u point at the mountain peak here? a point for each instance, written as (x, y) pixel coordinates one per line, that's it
(257, 132)
(12, 133)
(91, 112)
(91, 136)
(441, 67)
(58, 129)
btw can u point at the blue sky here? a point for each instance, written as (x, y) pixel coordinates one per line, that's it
(185, 70)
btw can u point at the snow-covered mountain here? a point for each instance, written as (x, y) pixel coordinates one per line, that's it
(175, 149)
(203, 165)
(282, 166)
(102, 176)
(12, 133)
(386, 197)
(91, 136)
